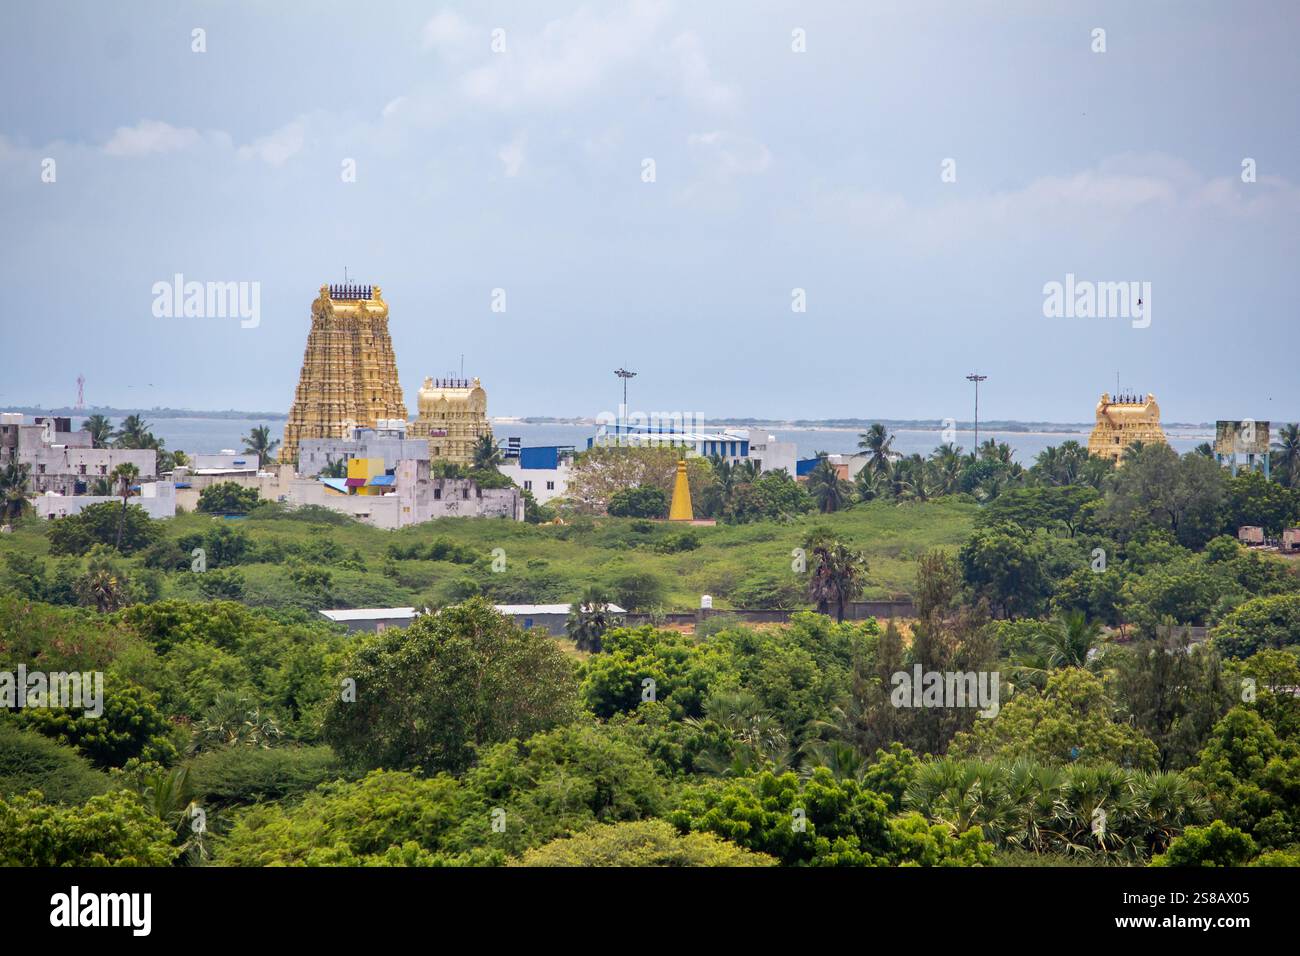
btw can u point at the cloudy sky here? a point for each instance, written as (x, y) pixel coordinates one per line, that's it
(523, 168)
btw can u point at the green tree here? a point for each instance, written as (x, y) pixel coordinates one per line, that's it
(828, 490)
(427, 695)
(487, 453)
(1271, 621)
(260, 443)
(588, 621)
(836, 573)
(100, 428)
(1007, 570)
(227, 497)
(1071, 720)
(14, 479)
(643, 501)
(124, 475)
(878, 444)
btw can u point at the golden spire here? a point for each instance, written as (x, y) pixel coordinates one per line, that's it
(681, 508)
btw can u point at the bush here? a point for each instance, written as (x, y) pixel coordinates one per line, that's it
(29, 761)
(252, 775)
(638, 590)
(642, 843)
(113, 829)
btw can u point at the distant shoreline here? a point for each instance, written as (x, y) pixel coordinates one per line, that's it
(802, 424)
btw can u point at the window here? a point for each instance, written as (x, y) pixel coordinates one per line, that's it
(437, 494)
(528, 486)
(464, 493)
(40, 469)
(550, 486)
(81, 469)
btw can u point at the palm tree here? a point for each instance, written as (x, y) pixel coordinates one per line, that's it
(487, 453)
(871, 484)
(836, 574)
(334, 469)
(1204, 448)
(827, 488)
(1071, 642)
(260, 443)
(101, 487)
(878, 444)
(588, 621)
(1288, 453)
(13, 490)
(947, 463)
(124, 475)
(134, 433)
(100, 428)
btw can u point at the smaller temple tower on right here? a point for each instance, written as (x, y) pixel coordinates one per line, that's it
(1123, 420)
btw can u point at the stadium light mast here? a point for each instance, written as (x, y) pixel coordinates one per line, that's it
(977, 378)
(624, 374)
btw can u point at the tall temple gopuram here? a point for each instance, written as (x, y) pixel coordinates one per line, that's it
(453, 416)
(1123, 420)
(349, 371)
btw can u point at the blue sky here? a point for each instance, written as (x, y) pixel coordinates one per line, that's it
(774, 170)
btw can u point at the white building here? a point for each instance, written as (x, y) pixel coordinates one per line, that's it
(61, 460)
(388, 442)
(736, 445)
(544, 471)
(156, 498)
(415, 498)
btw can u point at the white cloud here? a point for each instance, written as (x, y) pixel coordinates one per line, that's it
(150, 136)
(727, 155)
(568, 59)
(697, 80)
(512, 156)
(449, 33)
(278, 147)
(1105, 198)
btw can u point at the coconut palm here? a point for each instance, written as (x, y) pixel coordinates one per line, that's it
(260, 443)
(487, 453)
(100, 428)
(1073, 642)
(13, 490)
(947, 464)
(878, 444)
(124, 475)
(871, 484)
(1286, 463)
(827, 488)
(134, 433)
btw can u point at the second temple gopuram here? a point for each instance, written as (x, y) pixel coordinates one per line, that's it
(453, 417)
(349, 371)
(1123, 420)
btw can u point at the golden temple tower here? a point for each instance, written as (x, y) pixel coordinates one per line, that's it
(681, 506)
(1121, 421)
(452, 416)
(349, 371)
